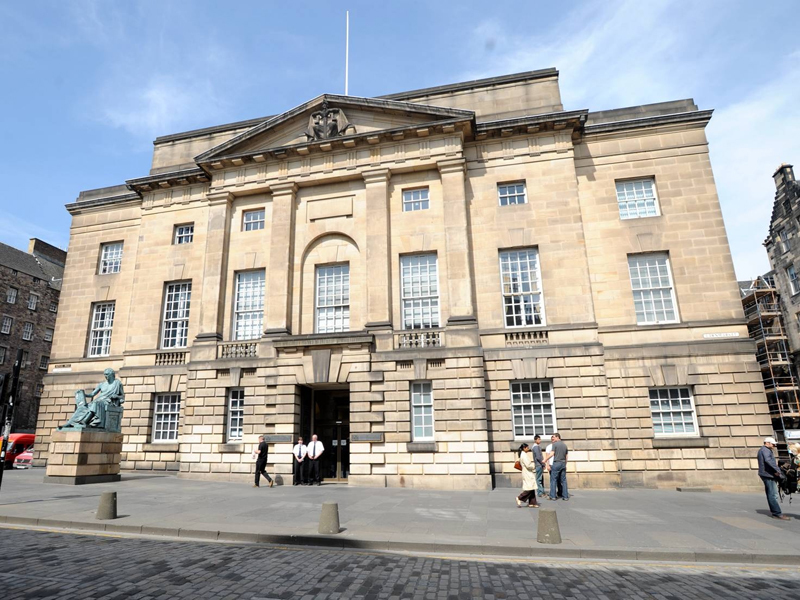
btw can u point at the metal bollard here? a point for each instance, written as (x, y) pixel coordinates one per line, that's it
(329, 518)
(548, 531)
(108, 506)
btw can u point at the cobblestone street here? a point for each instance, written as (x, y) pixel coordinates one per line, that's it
(54, 565)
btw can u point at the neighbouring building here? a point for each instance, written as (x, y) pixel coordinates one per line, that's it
(425, 280)
(30, 284)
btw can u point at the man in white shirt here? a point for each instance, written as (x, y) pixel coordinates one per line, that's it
(300, 451)
(315, 450)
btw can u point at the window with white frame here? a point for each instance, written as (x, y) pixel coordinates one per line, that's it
(27, 332)
(175, 328)
(783, 241)
(166, 417)
(532, 409)
(419, 285)
(791, 274)
(8, 322)
(110, 258)
(24, 363)
(235, 414)
(333, 298)
(102, 324)
(33, 301)
(184, 234)
(43, 362)
(511, 193)
(248, 311)
(39, 390)
(416, 200)
(54, 307)
(653, 292)
(422, 411)
(673, 412)
(637, 199)
(2, 355)
(253, 220)
(520, 285)
(11, 295)
(48, 335)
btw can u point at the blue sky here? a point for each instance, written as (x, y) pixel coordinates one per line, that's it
(87, 85)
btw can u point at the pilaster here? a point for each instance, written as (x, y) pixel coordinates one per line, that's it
(281, 259)
(379, 285)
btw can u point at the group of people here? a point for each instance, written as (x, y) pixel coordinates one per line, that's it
(306, 462)
(534, 462)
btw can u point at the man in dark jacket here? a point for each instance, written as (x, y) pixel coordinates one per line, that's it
(261, 462)
(770, 474)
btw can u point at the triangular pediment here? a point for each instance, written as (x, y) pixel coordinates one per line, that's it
(329, 118)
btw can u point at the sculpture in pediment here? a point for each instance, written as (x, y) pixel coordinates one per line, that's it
(328, 123)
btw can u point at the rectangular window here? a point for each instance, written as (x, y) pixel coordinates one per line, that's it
(48, 335)
(511, 193)
(783, 241)
(184, 234)
(520, 284)
(33, 301)
(653, 296)
(422, 411)
(2, 355)
(39, 390)
(24, 364)
(235, 414)
(43, 362)
(175, 327)
(532, 409)
(102, 324)
(11, 295)
(110, 258)
(8, 322)
(166, 416)
(54, 307)
(249, 305)
(333, 298)
(794, 285)
(637, 199)
(27, 332)
(253, 220)
(415, 200)
(419, 284)
(673, 412)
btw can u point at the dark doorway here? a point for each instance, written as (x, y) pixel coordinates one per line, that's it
(326, 412)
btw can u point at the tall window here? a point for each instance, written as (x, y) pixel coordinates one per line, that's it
(2, 355)
(8, 322)
(11, 295)
(33, 301)
(235, 414)
(27, 331)
(249, 305)
(532, 409)
(184, 234)
(333, 298)
(783, 241)
(520, 284)
(791, 274)
(673, 412)
(43, 362)
(420, 291)
(253, 220)
(511, 193)
(24, 363)
(637, 199)
(422, 411)
(110, 258)
(48, 335)
(416, 200)
(102, 323)
(653, 297)
(166, 416)
(177, 302)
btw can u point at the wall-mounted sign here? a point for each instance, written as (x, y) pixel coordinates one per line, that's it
(792, 435)
(61, 369)
(724, 334)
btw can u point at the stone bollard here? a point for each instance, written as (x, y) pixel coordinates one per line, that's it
(329, 518)
(108, 506)
(548, 532)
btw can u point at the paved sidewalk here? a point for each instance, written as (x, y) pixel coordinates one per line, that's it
(624, 524)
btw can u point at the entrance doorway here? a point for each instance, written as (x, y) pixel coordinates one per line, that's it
(326, 412)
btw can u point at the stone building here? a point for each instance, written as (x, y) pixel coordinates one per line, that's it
(425, 280)
(30, 284)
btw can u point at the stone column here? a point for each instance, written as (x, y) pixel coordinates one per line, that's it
(281, 259)
(379, 284)
(457, 243)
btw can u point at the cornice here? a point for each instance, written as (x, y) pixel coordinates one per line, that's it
(168, 180)
(76, 208)
(574, 120)
(699, 117)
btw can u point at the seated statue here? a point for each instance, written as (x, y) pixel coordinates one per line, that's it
(93, 414)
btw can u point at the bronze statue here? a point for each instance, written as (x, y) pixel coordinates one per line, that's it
(328, 123)
(105, 409)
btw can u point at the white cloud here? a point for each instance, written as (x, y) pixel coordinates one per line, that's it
(16, 231)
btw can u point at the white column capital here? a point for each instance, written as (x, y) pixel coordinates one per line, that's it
(377, 176)
(452, 165)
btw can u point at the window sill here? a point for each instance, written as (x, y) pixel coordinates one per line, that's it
(421, 447)
(680, 442)
(160, 447)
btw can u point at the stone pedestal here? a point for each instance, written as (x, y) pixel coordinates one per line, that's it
(78, 457)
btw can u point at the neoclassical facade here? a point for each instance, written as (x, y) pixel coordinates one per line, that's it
(424, 280)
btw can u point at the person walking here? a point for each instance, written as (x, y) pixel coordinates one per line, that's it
(315, 450)
(538, 461)
(558, 471)
(770, 474)
(528, 478)
(261, 462)
(300, 451)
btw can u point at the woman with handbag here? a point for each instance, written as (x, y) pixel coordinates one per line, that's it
(528, 468)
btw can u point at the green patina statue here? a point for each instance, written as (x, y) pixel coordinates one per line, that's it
(104, 412)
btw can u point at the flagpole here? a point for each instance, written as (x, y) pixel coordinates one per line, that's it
(347, 53)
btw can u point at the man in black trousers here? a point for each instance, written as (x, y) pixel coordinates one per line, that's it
(261, 462)
(315, 450)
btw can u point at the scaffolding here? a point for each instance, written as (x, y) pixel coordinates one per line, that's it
(762, 309)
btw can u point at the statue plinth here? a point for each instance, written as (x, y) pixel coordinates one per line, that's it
(84, 456)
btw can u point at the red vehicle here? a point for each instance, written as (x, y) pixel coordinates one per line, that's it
(24, 460)
(17, 444)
